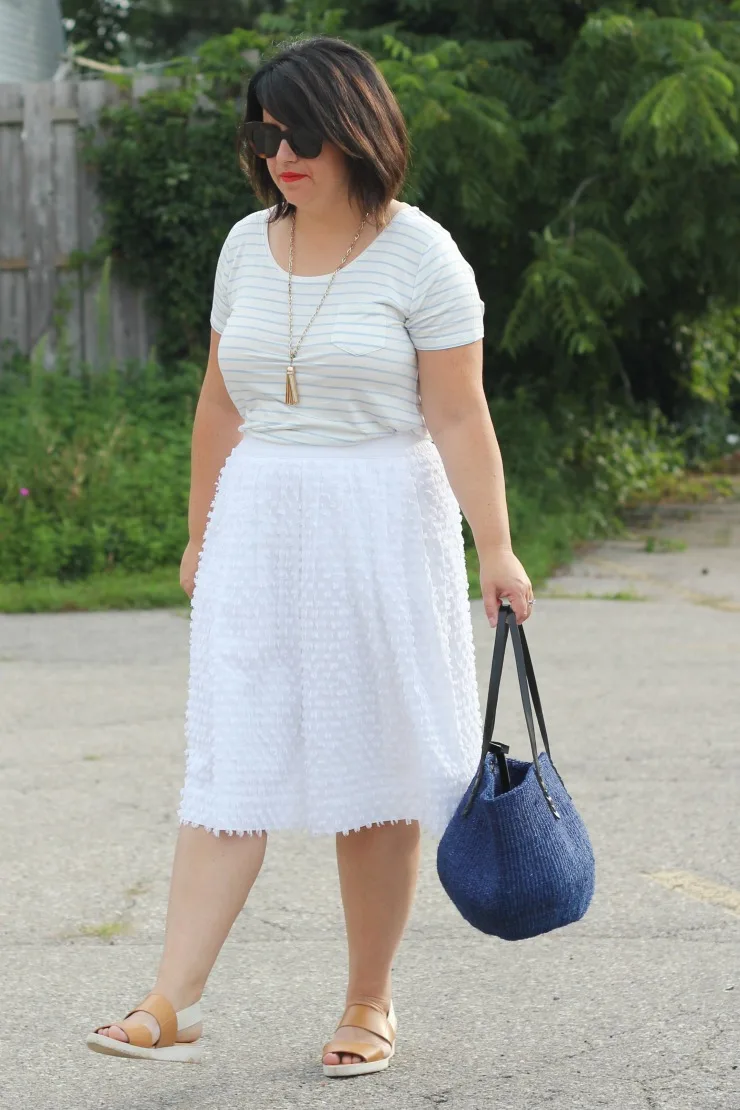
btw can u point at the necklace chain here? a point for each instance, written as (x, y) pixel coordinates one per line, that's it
(294, 350)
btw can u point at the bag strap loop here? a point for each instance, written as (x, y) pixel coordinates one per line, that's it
(527, 685)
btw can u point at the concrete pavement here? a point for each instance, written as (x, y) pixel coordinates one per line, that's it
(635, 1008)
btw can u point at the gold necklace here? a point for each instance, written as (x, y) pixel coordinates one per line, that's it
(291, 388)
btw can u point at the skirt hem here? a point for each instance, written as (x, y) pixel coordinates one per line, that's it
(268, 828)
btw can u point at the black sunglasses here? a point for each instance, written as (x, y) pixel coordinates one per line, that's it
(265, 139)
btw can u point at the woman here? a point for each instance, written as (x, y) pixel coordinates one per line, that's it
(332, 682)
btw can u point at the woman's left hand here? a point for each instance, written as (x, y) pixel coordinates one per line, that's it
(502, 575)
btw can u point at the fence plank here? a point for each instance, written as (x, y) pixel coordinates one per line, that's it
(148, 317)
(67, 224)
(146, 83)
(49, 207)
(92, 97)
(37, 146)
(13, 284)
(130, 339)
(15, 115)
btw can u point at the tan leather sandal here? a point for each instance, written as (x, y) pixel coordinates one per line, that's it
(140, 1044)
(374, 1056)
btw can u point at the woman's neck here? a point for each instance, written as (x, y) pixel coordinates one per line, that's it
(336, 221)
(319, 245)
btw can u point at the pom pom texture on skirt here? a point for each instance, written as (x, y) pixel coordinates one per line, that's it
(332, 675)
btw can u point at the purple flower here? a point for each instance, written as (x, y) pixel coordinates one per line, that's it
(23, 491)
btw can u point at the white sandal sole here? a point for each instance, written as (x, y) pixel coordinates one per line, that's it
(181, 1053)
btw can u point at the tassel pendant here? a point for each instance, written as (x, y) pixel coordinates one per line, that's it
(291, 388)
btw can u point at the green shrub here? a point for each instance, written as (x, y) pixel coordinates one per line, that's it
(584, 157)
(624, 455)
(569, 473)
(94, 470)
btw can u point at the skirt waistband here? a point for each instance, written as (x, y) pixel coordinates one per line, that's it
(396, 444)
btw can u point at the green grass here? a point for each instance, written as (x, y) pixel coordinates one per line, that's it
(663, 545)
(106, 930)
(546, 543)
(120, 589)
(160, 589)
(543, 542)
(115, 589)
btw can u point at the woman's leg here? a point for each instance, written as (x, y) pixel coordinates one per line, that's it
(211, 878)
(378, 868)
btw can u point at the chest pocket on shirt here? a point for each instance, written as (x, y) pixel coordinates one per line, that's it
(358, 332)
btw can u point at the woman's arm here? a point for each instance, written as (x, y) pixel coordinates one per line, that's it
(456, 413)
(215, 434)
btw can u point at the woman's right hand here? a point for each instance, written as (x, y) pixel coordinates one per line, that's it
(188, 567)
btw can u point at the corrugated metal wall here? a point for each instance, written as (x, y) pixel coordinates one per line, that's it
(31, 39)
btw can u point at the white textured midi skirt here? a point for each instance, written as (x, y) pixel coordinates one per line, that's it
(332, 675)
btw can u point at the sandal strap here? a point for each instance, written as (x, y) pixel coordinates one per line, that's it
(369, 1053)
(191, 1015)
(138, 1035)
(367, 1017)
(162, 1010)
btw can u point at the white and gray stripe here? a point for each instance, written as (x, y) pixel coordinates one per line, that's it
(410, 289)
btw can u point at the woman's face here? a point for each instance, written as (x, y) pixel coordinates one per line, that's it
(303, 181)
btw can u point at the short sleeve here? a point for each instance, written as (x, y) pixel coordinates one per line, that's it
(446, 308)
(221, 307)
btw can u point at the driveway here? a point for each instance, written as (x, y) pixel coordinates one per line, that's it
(637, 652)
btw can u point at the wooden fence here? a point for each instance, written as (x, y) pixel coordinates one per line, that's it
(48, 208)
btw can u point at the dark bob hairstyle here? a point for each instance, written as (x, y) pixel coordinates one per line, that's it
(334, 88)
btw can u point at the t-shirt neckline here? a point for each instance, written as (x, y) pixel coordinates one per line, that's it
(325, 277)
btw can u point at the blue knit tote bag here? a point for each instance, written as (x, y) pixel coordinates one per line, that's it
(516, 858)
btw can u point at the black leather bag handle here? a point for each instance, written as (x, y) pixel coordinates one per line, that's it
(527, 686)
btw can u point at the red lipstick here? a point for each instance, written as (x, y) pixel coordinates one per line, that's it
(292, 176)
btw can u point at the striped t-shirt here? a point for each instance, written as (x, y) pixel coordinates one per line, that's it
(410, 289)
